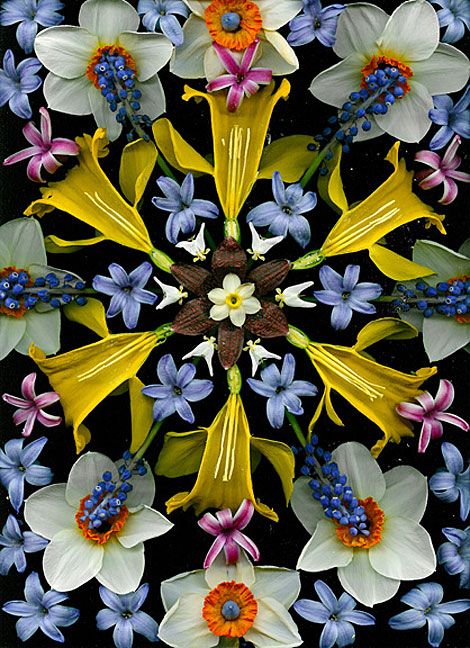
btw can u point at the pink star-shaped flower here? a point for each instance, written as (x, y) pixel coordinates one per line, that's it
(44, 149)
(227, 527)
(30, 407)
(431, 411)
(444, 171)
(241, 80)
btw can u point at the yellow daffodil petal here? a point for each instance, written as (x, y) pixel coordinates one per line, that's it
(177, 151)
(395, 266)
(385, 328)
(87, 194)
(238, 145)
(224, 477)
(281, 458)
(137, 163)
(391, 205)
(181, 454)
(288, 155)
(54, 244)
(85, 376)
(373, 389)
(92, 315)
(141, 413)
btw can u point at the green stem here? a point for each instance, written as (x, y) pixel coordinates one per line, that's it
(148, 440)
(316, 162)
(297, 429)
(210, 240)
(162, 163)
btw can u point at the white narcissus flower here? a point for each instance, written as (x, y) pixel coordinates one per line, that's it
(76, 554)
(291, 296)
(71, 54)
(209, 607)
(370, 568)
(234, 24)
(408, 40)
(234, 300)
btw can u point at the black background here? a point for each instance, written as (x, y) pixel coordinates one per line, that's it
(185, 546)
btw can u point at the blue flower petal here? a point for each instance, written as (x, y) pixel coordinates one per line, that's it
(408, 620)
(326, 596)
(123, 634)
(329, 635)
(145, 625)
(312, 611)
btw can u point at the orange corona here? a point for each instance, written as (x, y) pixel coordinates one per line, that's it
(230, 609)
(251, 23)
(113, 50)
(113, 525)
(378, 62)
(375, 516)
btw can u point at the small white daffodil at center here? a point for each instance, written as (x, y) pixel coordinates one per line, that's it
(97, 524)
(291, 296)
(234, 300)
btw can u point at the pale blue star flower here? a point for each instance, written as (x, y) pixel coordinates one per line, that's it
(17, 82)
(41, 611)
(425, 601)
(30, 14)
(337, 616)
(455, 16)
(453, 120)
(160, 15)
(454, 483)
(315, 21)
(16, 543)
(124, 613)
(18, 464)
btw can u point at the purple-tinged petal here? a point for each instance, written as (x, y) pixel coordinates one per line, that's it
(29, 425)
(450, 192)
(37, 475)
(143, 624)
(452, 457)
(288, 370)
(227, 59)
(456, 536)
(435, 631)
(198, 390)
(275, 411)
(328, 297)
(351, 277)
(184, 410)
(326, 596)
(64, 146)
(341, 316)
(231, 550)
(130, 313)
(16, 401)
(209, 523)
(118, 275)
(429, 158)
(261, 387)
(408, 620)
(221, 82)
(430, 180)
(330, 279)
(247, 544)
(105, 285)
(33, 170)
(453, 607)
(244, 514)
(185, 375)
(358, 617)
(278, 189)
(166, 370)
(329, 634)
(426, 401)
(234, 98)
(172, 29)
(360, 306)
(24, 154)
(46, 399)
(441, 138)
(312, 611)
(453, 420)
(31, 452)
(425, 436)
(187, 189)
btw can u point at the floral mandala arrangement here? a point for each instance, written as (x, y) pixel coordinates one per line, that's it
(247, 324)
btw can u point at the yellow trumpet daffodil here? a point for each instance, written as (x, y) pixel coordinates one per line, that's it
(372, 388)
(86, 376)
(87, 194)
(363, 226)
(222, 453)
(239, 156)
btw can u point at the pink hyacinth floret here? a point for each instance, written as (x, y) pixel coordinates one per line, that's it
(30, 407)
(241, 79)
(227, 527)
(443, 171)
(431, 411)
(44, 149)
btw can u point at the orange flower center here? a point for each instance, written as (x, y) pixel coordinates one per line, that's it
(222, 16)
(103, 52)
(375, 515)
(230, 609)
(21, 309)
(106, 530)
(465, 317)
(380, 62)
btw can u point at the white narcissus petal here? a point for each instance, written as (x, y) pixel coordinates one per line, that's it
(198, 7)
(103, 116)
(362, 470)
(231, 282)
(213, 66)
(152, 102)
(324, 550)
(108, 18)
(193, 582)
(273, 626)
(143, 492)
(85, 474)
(46, 512)
(70, 560)
(67, 95)
(359, 27)
(307, 510)
(407, 119)
(122, 569)
(237, 316)
(241, 572)
(277, 583)
(4, 254)
(184, 625)
(65, 51)
(402, 40)
(43, 329)
(405, 551)
(275, 14)
(150, 52)
(445, 263)
(277, 55)
(188, 59)
(11, 332)
(24, 240)
(406, 493)
(363, 583)
(443, 336)
(444, 71)
(143, 525)
(333, 85)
